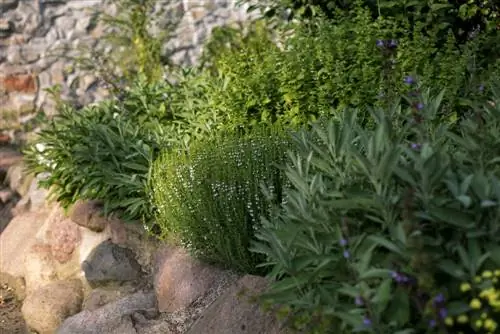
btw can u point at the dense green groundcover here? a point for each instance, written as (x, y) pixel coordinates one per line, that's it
(351, 155)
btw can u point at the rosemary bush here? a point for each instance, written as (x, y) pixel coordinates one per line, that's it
(209, 199)
(387, 229)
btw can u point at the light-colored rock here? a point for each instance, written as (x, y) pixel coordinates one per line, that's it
(236, 312)
(180, 279)
(16, 240)
(39, 267)
(47, 307)
(17, 179)
(60, 249)
(113, 318)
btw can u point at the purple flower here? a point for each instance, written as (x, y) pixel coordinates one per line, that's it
(409, 80)
(359, 301)
(367, 321)
(439, 299)
(481, 88)
(380, 43)
(420, 106)
(394, 275)
(343, 242)
(416, 146)
(347, 254)
(393, 43)
(443, 313)
(432, 323)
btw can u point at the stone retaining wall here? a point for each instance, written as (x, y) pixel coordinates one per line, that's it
(31, 30)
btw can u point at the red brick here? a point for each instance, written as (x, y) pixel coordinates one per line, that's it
(23, 83)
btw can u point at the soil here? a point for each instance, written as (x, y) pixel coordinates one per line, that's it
(11, 319)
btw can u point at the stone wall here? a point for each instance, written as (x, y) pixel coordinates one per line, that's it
(31, 31)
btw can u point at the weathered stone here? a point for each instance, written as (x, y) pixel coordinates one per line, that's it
(236, 312)
(17, 178)
(6, 5)
(109, 263)
(180, 279)
(18, 83)
(6, 195)
(88, 214)
(64, 239)
(32, 32)
(6, 28)
(113, 318)
(39, 266)
(102, 296)
(17, 239)
(47, 307)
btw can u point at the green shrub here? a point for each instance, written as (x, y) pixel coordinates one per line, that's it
(209, 198)
(354, 61)
(95, 153)
(136, 41)
(383, 225)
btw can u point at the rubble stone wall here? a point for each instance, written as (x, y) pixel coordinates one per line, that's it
(32, 30)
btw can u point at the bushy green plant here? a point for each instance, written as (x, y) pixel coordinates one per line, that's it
(137, 49)
(384, 225)
(360, 61)
(208, 198)
(354, 61)
(94, 153)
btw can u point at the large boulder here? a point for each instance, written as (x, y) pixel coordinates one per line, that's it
(59, 249)
(16, 240)
(236, 312)
(47, 307)
(109, 262)
(180, 279)
(113, 318)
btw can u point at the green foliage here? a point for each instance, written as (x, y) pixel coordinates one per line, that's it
(324, 68)
(383, 224)
(209, 197)
(463, 17)
(93, 154)
(136, 48)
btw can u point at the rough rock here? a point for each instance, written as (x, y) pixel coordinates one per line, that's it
(180, 279)
(113, 318)
(236, 313)
(17, 238)
(32, 32)
(47, 307)
(109, 262)
(102, 296)
(17, 179)
(39, 267)
(88, 214)
(60, 248)
(6, 195)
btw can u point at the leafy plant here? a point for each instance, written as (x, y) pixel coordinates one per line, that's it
(208, 198)
(137, 43)
(95, 154)
(382, 225)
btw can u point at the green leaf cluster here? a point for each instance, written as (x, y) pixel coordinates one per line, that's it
(411, 197)
(209, 198)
